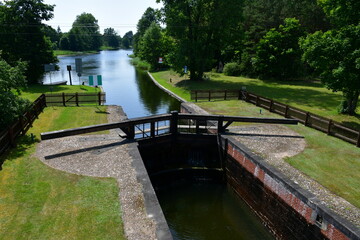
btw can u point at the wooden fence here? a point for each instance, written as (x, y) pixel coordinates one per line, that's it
(325, 125)
(21, 125)
(74, 99)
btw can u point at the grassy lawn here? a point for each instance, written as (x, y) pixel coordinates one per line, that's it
(33, 91)
(38, 202)
(69, 53)
(332, 162)
(309, 96)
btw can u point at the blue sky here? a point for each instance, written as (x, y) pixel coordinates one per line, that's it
(122, 15)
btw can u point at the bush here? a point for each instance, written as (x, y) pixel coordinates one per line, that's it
(232, 69)
(140, 64)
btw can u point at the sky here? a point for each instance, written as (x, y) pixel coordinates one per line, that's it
(122, 15)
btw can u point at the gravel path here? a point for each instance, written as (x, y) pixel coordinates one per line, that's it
(108, 156)
(275, 142)
(104, 156)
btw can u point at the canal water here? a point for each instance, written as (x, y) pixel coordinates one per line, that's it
(201, 211)
(208, 211)
(124, 85)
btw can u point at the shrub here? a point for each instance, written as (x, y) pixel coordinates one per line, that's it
(232, 69)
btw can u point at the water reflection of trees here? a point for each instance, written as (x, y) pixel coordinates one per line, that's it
(152, 97)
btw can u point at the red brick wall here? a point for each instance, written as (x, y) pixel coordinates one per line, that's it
(278, 204)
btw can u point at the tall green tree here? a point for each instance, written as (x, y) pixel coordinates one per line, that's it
(11, 105)
(150, 16)
(127, 40)
(335, 55)
(111, 38)
(200, 29)
(22, 35)
(85, 34)
(278, 54)
(154, 44)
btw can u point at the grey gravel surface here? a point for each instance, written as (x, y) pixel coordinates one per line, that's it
(104, 156)
(108, 156)
(276, 142)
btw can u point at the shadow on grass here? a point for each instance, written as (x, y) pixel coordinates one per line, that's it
(101, 111)
(352, 124)
(22, 145)
(39, 89)
(274, 90)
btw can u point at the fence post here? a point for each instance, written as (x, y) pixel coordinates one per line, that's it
(307, 119)
(21, 119)
(63, 98)
(11, 136)
(286, 111)
(358, 140)
(271, 105)
(174, 122)
(225, 95)
(196, 96)
(43, 98)
(152, 129)
(99, 98)
(247, 96)
(209, 95)
(77, 99)
(329, 127)
(220, 125)
(257, 101)
(240, 92)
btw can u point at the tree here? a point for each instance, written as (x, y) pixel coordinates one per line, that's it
(22, 36)
(153, 44)
(342, 12)
(111, 38)
(127, 40)
(11, 105)
(85, 34)
(278, 54)
(53, 35)
(200, 29)
(150, 16)
(335, 55)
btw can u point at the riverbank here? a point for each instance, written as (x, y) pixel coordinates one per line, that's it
(319, 162)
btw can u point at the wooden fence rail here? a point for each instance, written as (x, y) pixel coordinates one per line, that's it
(22, 124)
(72, 99)
(322, 124)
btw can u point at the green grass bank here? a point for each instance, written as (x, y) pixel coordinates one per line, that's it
(38, 202)
(309, 96)
(330, 161)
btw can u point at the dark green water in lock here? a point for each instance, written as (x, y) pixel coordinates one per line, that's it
(209, 211)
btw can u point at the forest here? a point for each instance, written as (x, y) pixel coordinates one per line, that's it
(266, 39)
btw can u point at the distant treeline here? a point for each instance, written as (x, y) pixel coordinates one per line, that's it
(85, 36)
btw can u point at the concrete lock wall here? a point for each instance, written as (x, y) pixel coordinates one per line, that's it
(287, 210)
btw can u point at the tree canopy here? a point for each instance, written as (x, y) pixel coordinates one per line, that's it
(11, 105)
(111, 38)
(200, 31)
(84, 34)
(278, 54)
(22, 35)
(335, 55)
